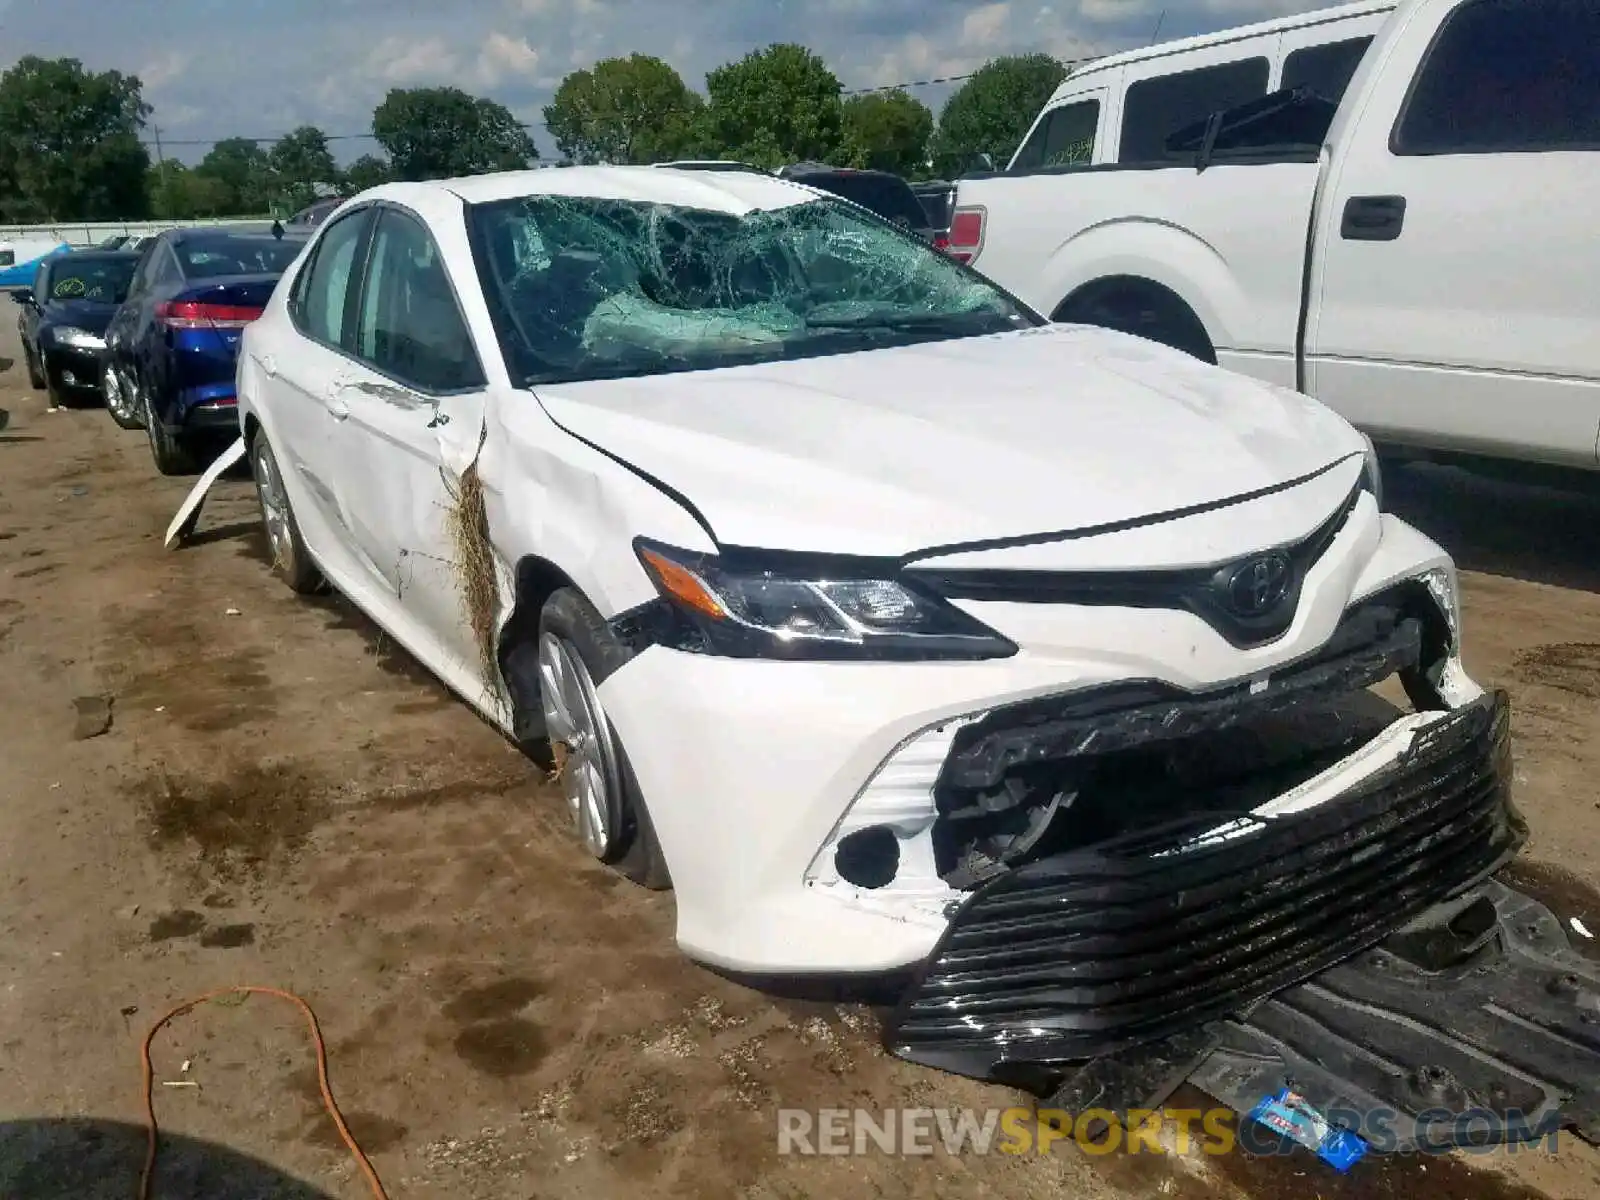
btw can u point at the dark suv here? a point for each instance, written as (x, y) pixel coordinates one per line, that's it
(876, 191)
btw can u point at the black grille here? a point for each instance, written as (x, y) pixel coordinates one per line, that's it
(1094, 951)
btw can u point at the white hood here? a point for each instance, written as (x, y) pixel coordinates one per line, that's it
(888, 452)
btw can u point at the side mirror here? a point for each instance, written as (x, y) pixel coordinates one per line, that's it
(23, 296)
(982, 162)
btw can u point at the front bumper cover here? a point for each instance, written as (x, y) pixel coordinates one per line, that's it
(1094, 953)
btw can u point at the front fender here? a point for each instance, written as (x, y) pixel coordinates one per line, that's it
(548, 494)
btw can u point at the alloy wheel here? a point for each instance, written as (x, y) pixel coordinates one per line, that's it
(578, 729)
(118, 398)
(274, 502)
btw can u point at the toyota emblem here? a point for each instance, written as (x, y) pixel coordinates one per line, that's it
(1257, 586)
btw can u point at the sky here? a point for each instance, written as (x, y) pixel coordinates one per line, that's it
(257, 68)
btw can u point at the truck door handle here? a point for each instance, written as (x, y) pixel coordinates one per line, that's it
(1373, 218)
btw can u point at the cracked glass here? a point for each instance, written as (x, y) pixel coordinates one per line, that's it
(586, 287)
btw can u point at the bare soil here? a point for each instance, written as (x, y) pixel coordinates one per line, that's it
(205, 781)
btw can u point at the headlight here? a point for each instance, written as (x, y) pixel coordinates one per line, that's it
(82, 339)
(778, 609)
(1372, 473)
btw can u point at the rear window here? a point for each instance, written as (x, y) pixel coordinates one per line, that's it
(204, 258)
(1156, 108)
(890, 198)
(1064, 138)
(1325, 69)
(88, 277)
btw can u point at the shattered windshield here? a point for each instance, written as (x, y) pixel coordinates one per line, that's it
(591, 288)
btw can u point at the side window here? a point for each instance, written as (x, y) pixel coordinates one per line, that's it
(1064, 138)
(410, 326)
(323, 287)
(1505, 76)
(1325, 69)
(1156, 108)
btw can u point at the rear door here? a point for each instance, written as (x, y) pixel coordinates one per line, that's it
(1455, 303)
(303, 376)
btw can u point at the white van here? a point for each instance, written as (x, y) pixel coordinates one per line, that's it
(1121, 109)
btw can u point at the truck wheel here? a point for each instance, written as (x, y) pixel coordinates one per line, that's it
(1145, 310)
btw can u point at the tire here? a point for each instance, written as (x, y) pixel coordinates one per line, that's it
(122, 402)
(36, 378)
(570, 626)
(1147, 314)
(291, 561)
(172, 454)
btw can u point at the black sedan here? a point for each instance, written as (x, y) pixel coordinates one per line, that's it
(64, 318)
(172, 348)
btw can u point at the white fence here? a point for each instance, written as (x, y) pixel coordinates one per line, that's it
(79, 234)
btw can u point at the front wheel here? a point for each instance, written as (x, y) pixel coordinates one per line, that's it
(291, 561)
(36, 378)
(577, 652)
(122, 401)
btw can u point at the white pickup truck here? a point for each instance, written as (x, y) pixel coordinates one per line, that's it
(1423, 255)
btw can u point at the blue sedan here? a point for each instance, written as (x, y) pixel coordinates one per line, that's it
(171, 349)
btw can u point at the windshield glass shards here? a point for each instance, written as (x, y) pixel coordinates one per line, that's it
(591, 288)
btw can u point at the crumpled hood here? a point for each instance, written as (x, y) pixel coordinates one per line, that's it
(889, 452)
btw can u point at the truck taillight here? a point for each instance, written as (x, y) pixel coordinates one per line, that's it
(941, 241)
(966, 233)
(190, 314)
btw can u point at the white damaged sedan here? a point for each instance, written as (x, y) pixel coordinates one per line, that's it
(893, 626)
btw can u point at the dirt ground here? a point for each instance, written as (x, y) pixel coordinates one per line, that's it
(282, 799)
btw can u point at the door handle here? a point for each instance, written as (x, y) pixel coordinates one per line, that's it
(1372, 218)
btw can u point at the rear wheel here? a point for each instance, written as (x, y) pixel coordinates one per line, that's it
(291, 561)
(577, 652)
(172, 453)
(122, 402)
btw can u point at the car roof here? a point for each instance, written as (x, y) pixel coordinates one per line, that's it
(735, 192)
(95, 252)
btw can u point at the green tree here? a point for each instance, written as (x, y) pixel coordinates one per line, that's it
(299, 161)
(368, 171)
(887, 131)
(69, 143)
(990, 113)
(240, 169)
(441, 132)
(179, 194)
(775, 106)
(623, 110)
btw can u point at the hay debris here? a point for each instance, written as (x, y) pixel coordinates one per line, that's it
(474, 569)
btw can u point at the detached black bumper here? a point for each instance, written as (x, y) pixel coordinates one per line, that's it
(1093, 953)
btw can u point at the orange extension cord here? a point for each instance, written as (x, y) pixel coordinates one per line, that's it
(322, 1082)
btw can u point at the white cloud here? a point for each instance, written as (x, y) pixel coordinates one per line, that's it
(161, 70)
(503, 56)
(405, 60)
(985, 27)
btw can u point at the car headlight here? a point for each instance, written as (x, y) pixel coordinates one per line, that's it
(779, 609)
(81, 339)
(1372, 473)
